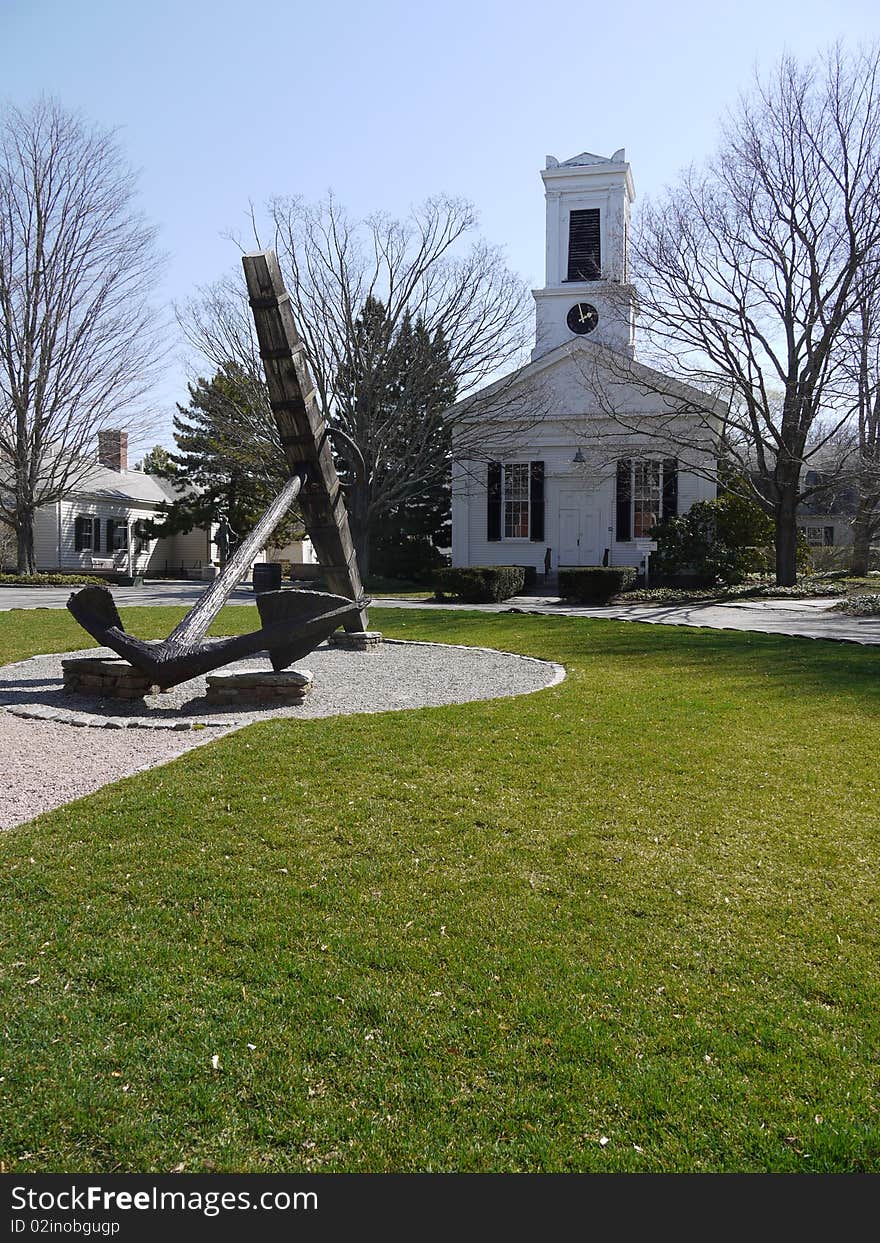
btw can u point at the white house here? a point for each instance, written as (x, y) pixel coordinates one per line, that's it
(102, 523)
(550, 475)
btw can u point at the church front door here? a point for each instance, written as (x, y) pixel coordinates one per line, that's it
(578, 532)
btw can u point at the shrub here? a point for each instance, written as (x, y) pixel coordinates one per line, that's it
(867, 605)
(831, 559)
(407, 558)
(530, 575)
(715, 541)
(595, 584)
(479, 584)
(51, 580)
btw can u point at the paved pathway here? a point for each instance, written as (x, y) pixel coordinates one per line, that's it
(157, 591)
(811, 619)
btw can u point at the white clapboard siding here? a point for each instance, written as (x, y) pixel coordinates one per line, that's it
(593, 491)
(46, 538)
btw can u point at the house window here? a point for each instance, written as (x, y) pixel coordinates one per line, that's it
(647, 493)
(515, 501)
(87, 533)
(117, 534)
(819, 537)
(142, 535)
(584, 246)
(646, 498)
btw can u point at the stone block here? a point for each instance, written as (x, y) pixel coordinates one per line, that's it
(355, 640)
(286, 687)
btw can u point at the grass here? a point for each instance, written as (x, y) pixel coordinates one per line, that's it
(641, 906)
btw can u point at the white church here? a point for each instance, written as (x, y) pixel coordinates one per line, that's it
(550, 468)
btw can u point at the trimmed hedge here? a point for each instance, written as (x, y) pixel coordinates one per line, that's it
(479, 584)
(51, 580)
(530, 573)
(595, 584)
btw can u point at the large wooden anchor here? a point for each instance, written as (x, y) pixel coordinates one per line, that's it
(293, 622)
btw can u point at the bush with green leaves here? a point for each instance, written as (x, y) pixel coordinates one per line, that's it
(479, 584)
(595, 584)
(720, 541)
(51, 580)
(405, 557)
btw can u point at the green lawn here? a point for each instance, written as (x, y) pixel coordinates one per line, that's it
(641, 906)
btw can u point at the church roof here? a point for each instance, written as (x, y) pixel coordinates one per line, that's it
(586, 158)
(618, 365)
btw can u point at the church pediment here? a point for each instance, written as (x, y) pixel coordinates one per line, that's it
(581, 366)
(586, 158)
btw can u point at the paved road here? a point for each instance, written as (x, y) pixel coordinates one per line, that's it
(157, 592)
(810, 619)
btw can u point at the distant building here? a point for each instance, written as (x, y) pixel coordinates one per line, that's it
(102, 524)
(826, 517)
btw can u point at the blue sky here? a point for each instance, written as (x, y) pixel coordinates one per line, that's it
(222, 103)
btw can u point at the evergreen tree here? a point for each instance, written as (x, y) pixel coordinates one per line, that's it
(155, 461)
(390, 399)
(228, 458)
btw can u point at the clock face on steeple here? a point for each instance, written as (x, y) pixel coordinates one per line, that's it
(582, 318)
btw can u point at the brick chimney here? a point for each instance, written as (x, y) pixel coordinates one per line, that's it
(113, 449)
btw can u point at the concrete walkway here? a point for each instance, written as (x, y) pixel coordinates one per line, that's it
(811, 619)
(155, 592)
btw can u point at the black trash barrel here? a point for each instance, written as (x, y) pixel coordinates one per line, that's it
(267, 576)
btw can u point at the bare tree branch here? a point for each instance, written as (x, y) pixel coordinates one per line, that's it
(80, 341)
(422, 271)
(749, 274)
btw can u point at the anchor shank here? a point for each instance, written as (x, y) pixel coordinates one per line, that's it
(192, 630)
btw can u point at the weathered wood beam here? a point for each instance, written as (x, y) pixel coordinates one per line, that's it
(303, 431)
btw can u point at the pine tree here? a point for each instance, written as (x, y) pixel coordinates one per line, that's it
(391, 397)
(155, 461)
(228, 458)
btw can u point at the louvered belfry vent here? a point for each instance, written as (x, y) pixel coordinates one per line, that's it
(584, 246)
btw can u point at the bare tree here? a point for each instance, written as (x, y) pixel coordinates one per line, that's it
(421, 272)
(860, 457)
(748, 274)
(79, 340)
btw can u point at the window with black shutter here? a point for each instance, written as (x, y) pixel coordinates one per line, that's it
(670, 488)
(624, 500)
(584, 246)
(536, 502)
(86, 533)
(829, 536)
(493, 501)
(117, 534)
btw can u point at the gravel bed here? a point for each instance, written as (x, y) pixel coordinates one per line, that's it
(49, 758)
(46, 763)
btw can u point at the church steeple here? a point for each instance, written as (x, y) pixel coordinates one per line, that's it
(586, 291)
